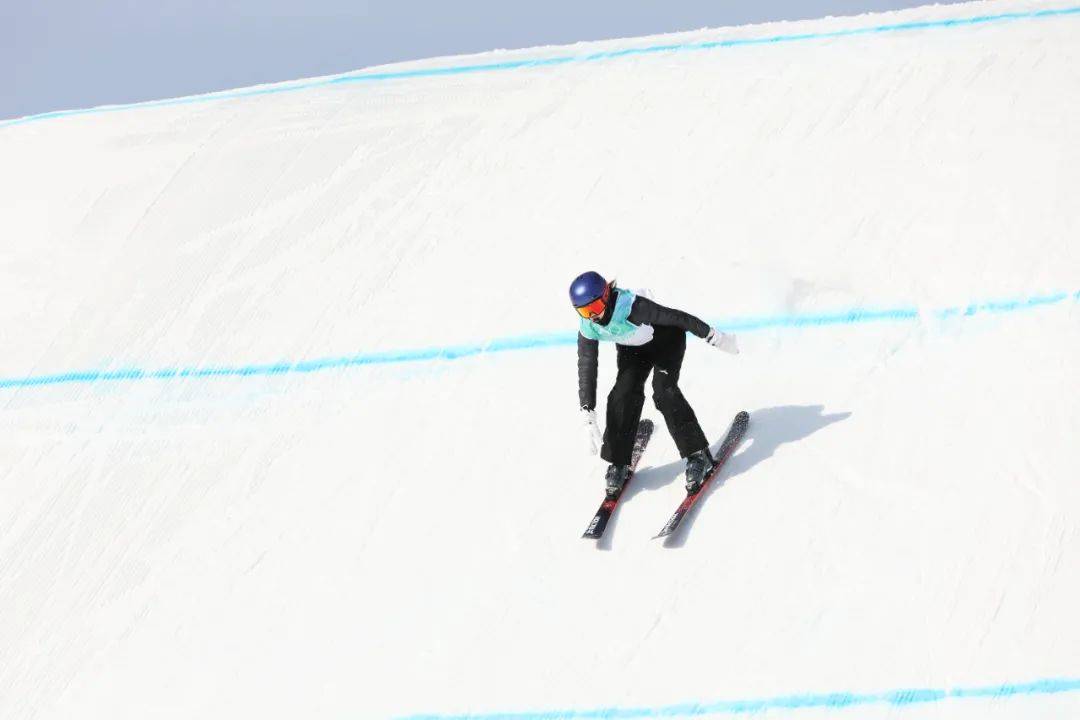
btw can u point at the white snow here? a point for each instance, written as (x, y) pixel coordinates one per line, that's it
(382, 540)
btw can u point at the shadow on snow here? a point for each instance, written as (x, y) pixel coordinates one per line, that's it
(769, 429)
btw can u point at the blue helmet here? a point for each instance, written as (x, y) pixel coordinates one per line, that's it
(586, 288)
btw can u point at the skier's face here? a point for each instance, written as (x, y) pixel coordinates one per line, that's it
(593, 310)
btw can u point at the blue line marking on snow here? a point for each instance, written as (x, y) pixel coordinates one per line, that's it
(529, 342)
(836, 701)
(559, 60)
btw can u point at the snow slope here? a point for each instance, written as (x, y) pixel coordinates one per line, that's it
(288, 419)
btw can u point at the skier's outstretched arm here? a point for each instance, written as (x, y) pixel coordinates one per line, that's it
(647, 312)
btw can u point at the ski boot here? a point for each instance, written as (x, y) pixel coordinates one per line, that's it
(615, 479)
(698, 465)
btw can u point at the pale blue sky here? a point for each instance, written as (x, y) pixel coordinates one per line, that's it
(63, 54)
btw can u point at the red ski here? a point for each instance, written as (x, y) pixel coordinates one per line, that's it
(600, 520)
(731, 441)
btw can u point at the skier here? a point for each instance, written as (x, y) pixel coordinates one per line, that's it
(648, 336)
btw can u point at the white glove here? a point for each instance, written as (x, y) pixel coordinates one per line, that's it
(592, 427)
(723, 341)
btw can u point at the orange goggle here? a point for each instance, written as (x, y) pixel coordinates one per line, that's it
(593, 309)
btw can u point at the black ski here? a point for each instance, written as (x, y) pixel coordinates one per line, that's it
(600, 520)
(731, 441)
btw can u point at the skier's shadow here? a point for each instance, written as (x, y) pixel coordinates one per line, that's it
(769, 429)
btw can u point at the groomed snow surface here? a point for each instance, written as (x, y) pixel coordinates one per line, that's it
(238, 480)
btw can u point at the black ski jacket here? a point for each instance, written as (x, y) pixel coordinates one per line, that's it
(643, 312)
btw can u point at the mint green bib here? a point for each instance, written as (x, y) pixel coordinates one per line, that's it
(619, 330)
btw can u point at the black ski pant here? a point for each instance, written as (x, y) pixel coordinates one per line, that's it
(664, 354)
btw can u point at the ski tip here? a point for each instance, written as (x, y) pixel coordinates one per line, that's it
(743, 416)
